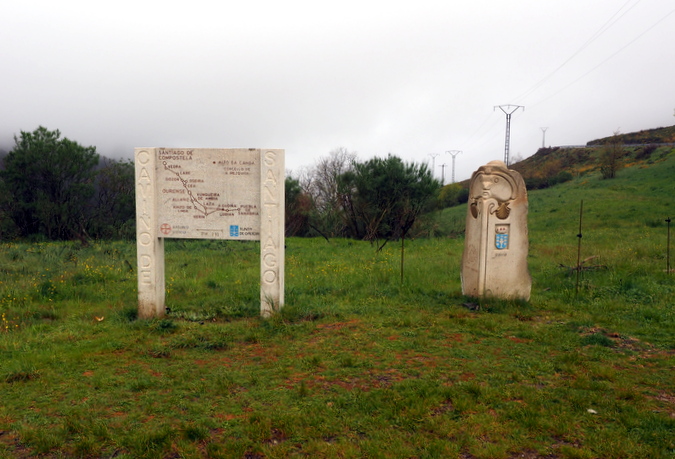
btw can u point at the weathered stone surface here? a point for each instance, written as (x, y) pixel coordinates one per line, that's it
(209, 193)
(272, 231)
(149, 246)
(494, 263)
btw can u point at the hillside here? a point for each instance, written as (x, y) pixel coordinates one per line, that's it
(639, 196)
(557, 164)
(647, 136)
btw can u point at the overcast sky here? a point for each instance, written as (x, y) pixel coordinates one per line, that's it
(409, 78)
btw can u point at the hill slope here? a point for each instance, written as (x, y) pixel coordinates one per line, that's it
(639, 197)
(557, 164)
(647, 136)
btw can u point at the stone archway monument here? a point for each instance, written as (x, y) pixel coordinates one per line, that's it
(208, 193)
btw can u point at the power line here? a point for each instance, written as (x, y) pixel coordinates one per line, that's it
(610, 22)
(487, 118)
(606, 26)
(608, 58)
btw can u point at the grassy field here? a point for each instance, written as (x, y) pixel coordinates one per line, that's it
(357, 364)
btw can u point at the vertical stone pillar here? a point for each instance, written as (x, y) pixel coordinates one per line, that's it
(149, 246)
(272, 231)
(494, 263)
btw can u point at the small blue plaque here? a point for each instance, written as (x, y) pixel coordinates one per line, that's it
(234, 230)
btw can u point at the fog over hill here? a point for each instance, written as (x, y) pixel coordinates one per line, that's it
(646, 136)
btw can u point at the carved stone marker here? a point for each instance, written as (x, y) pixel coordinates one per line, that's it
(209, 194)
(494, 263)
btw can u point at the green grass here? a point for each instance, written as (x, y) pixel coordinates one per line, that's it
(356, 364)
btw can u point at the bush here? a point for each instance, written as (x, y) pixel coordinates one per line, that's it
(645, 152)
(50, 182)
(450, 195)
(561, 177)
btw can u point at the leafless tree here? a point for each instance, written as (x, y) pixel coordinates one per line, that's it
(322, 183)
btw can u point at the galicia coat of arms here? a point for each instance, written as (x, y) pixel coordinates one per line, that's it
(501, 241)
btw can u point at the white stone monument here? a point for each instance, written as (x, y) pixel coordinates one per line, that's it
(206, 193)
(494, 263)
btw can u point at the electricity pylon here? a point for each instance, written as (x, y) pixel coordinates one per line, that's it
(433, 163)
(443, 166)
(453, 153)
(508, 110)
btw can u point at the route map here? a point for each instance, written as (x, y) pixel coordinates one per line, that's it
(209, 193)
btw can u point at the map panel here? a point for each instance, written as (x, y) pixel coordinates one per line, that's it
(208, 193)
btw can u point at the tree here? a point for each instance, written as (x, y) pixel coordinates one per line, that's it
(322, 185)
(610, 157)
(114, 206)
(50, 181)
(384, 197)
(298, 208)
(8, 229)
